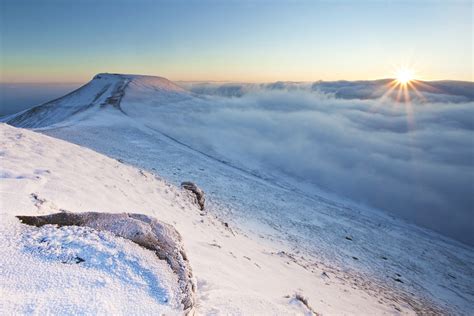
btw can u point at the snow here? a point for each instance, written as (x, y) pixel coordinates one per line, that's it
(159, 237)
(104, 90)
(76, 270)
(260, 241)
(235, 273)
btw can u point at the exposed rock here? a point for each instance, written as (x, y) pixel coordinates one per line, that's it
(146, 231)
(304, 300)
(451, 276)
(117, 94)
(198, 193)
(37, 200)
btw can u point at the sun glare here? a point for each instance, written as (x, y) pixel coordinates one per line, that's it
(404, 76)
(404, 89)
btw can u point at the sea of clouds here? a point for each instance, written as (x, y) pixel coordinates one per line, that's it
(414, 160)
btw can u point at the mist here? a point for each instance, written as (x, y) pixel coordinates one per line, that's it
(413, 160)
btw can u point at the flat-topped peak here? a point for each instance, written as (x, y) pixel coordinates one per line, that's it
(125, 76)
(154, 82)
(105, 90)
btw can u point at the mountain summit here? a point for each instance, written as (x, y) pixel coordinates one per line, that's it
(102, 92)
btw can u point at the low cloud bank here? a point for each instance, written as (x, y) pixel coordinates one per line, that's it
(428, 91)
(414, 160)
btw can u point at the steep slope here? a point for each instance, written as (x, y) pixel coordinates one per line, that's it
(75, 270)
(103, 91)
(401, 264)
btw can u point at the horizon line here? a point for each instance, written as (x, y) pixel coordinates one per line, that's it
(223, 81)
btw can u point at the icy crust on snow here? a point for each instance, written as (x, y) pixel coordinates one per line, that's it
(79, 270)
(145, 231)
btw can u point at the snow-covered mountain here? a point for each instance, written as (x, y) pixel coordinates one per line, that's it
(285, 235)
(105, 90)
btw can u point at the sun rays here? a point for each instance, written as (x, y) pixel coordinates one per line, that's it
(403, 89)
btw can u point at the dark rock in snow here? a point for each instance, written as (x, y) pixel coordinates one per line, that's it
(198, 193)
(304, 300)
(143, 230)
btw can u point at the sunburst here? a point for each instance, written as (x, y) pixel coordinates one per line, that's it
(404, 76)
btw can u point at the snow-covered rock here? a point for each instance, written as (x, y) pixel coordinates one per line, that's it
(198, 194)
(80, 271)
(143, 230)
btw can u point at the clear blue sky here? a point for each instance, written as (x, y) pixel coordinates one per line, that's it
(70, 41)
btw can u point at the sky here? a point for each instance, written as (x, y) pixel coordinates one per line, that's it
(250, 41)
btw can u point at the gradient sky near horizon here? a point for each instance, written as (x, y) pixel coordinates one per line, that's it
(70, 41)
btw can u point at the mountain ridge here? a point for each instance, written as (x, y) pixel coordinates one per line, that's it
(103, 91)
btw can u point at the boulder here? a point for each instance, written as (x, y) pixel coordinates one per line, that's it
(143, 230)
(196, 191)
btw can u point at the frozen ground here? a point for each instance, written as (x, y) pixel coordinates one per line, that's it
(75, 270)
(235, 273)
(281, 240)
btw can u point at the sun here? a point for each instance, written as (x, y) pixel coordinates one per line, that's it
(404, 88)
(404, 76)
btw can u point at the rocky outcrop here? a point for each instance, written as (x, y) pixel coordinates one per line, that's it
(144, 230)
(200, 199)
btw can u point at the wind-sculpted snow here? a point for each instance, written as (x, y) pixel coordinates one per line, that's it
(143, 230)
(79, 270)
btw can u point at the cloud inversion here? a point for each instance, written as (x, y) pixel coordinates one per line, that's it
(414, 160)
